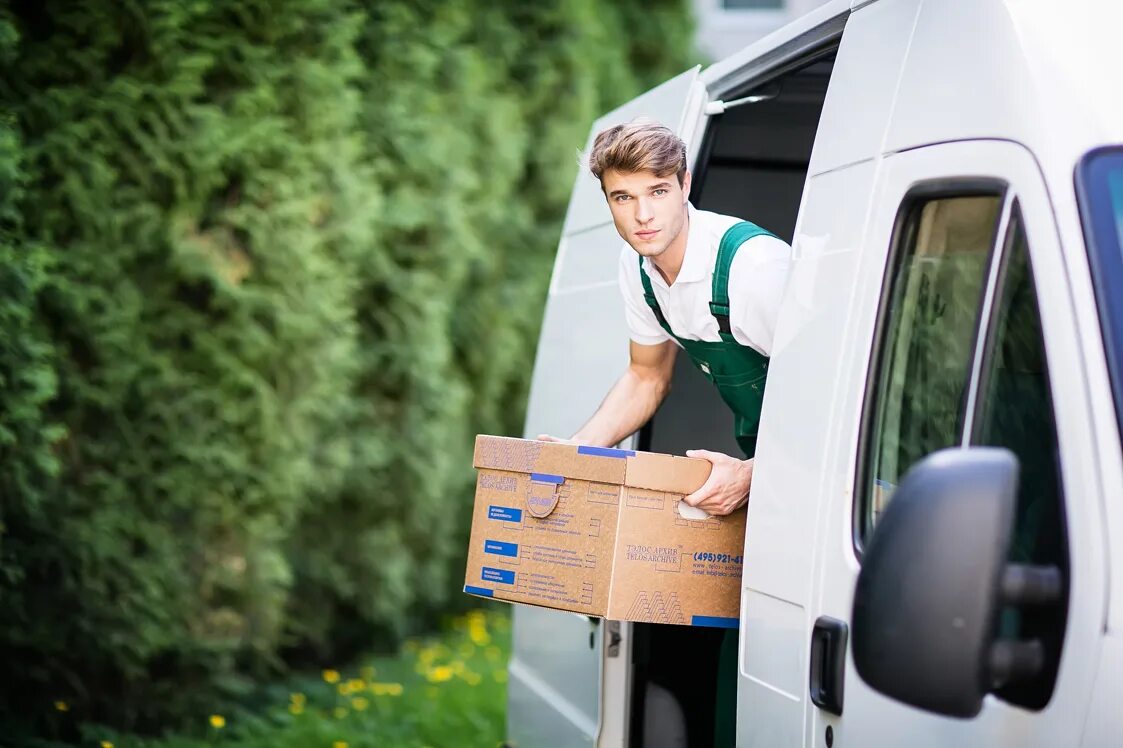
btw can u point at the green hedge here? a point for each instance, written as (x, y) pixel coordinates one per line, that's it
(266, 269)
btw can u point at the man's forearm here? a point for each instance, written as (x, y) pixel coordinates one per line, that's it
(629, 405)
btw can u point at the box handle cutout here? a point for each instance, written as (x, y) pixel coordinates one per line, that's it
(691, 512)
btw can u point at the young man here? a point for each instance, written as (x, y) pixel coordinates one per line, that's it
(707, 283)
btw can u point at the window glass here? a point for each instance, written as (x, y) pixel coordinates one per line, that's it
(1100, 189)
(927, 340)
(1015, 411)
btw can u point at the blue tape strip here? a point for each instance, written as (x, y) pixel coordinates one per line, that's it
(605, 452)
(547, 478)
(715, 622)
(481, 591)
(501, 549)
(503, 576)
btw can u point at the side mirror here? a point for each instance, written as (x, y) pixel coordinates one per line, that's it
(934, 578)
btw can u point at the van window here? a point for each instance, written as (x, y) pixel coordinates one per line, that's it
(937, 274)
(1015, 410)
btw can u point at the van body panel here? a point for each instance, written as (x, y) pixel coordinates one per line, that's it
(870, 718)
(860, 98)
(783, 528)
(1105, 720)
(558, 664)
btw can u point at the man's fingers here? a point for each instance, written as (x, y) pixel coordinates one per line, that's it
(703, 493)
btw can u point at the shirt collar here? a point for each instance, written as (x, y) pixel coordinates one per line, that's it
(695, 261)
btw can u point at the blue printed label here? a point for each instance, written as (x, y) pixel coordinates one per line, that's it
(503, 576)
(605, 452)
(481, 591)
(714, 621)
(501, 549)
(505, 513)
(547, 478)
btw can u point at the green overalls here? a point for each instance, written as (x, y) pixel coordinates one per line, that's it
(736, 370)
(739, 373)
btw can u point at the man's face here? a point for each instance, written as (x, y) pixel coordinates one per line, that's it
(649, 211)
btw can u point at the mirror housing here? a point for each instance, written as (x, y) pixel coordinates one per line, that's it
(933, 580)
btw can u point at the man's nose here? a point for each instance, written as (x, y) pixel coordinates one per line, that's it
(644, 213)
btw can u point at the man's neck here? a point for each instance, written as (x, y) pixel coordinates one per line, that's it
(669, 263)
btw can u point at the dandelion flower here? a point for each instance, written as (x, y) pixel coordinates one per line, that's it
(440, 674)
(218, 721)
(331, 676)
(359, 703)
(106, 744)
(62, 706)
(339, 744)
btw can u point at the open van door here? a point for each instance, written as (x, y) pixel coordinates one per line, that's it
(560, 664)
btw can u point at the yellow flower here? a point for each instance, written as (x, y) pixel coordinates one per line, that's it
(218, 721)
(106, 744)
(340, 712)
(440, 674)
(296, 708)
(62, 706)
(339, 744)
(359, 703)
(394, 689)
(472, 679)
(331, 676)
(298, 698)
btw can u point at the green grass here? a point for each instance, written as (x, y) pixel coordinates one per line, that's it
(445, 692)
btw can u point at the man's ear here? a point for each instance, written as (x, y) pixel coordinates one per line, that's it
(686, 187)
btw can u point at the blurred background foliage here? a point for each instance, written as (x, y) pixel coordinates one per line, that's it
(266, 267)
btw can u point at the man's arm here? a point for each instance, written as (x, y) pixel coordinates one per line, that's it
(633, 399)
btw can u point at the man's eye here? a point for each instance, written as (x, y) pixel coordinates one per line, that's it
(621, 198)
(660, 192)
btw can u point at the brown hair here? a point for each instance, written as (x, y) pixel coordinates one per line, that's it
(639, 146)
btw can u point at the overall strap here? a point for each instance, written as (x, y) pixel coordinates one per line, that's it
(731, 241)
(649, 297)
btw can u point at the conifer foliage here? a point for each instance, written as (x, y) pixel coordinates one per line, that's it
(266, 267)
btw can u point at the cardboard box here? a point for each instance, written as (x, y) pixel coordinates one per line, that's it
(599, 531)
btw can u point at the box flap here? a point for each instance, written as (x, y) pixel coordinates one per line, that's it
(551, 459)
(660, 472)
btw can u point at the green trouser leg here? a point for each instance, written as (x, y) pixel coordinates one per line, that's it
(725, 702)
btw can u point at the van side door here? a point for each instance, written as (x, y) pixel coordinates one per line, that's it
(561, 671)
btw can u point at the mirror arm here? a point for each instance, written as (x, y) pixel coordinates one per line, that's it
(1023, 584)
(1012, 661)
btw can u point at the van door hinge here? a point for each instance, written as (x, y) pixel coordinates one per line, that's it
(612, 644)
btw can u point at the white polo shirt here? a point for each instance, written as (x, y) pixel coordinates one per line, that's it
(756, 285)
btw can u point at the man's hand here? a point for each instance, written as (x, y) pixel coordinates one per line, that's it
(727, 488)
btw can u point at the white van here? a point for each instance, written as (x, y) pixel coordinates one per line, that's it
(950, 176)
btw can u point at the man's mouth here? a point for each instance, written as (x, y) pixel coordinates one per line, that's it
(647, 234)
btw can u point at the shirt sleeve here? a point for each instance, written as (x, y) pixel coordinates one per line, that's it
(756, 288)
(643, 326)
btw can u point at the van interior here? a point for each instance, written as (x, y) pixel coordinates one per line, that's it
(752, 164)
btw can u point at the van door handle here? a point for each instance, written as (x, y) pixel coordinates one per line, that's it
(828, 663)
